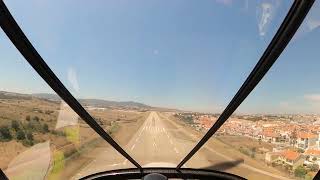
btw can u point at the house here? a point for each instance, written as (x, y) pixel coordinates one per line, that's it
(306, 140)
(270, 136)
(312, 156)
(206, 122)
(288, 158)
(272, 157)
(291, 158)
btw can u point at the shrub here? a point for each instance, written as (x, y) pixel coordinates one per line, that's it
(27, 143)
(5, 134)
(244, 151)
(28, 118)
(58, 133)
(15, 125)
(45, 128)
(314, 167)
(20, 135)
(36, 118)
(29, 136)
(300, 171)
(300, 150)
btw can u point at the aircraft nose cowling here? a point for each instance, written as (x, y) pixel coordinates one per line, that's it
(155, 176)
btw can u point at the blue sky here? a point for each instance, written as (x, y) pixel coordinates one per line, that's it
(191, 55)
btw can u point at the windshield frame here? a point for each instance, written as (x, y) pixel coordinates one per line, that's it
(285, 32)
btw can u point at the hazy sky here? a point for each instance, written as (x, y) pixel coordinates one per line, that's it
(186, 54)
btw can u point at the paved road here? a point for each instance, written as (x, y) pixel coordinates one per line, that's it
(162, 142)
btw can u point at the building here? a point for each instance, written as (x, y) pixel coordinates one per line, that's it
(290, 158)
(312, 156)
(306, 140)
(287, 158)
(206, 122)
(269, 136)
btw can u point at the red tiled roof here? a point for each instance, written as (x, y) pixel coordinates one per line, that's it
(306, 135)
(206, 122)
(312, 152)
(270, 134)
(290, 155)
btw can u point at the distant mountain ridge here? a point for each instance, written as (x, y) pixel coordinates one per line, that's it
(95, 102)
(86, 102)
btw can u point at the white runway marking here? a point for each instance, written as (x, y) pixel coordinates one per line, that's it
(171, 142)
(117, 164)
(176, 150)
(133, 147)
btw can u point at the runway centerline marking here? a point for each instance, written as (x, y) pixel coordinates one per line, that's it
(171, 142)
(134, 145)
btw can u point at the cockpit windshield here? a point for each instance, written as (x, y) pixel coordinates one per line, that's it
(142, 82)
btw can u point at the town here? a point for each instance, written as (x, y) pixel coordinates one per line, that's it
(293, 141)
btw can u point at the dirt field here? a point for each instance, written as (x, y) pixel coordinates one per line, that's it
(74, 141)
(126, 128)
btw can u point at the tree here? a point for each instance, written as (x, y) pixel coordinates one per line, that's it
(5, 134)
(293, 137)
(314, 159)
(300, 150)
(45, 128)
(300, 171)
(20, 135)
(27, 143)
(253, 152)
(314, 167)
(15, 125)
(36, 118)
(307, 157)
(29, 136)
(28, 118)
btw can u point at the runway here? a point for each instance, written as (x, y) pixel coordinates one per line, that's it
(160, 142)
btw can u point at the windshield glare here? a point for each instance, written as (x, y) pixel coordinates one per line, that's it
(156, 75)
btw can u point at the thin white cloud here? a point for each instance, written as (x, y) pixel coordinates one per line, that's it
(313, 18)
(312, 97)
(313, 23)
(72, 77)
(265, 12)
(156, 52)
(225, 2)
(246, 5)
(284, 104)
